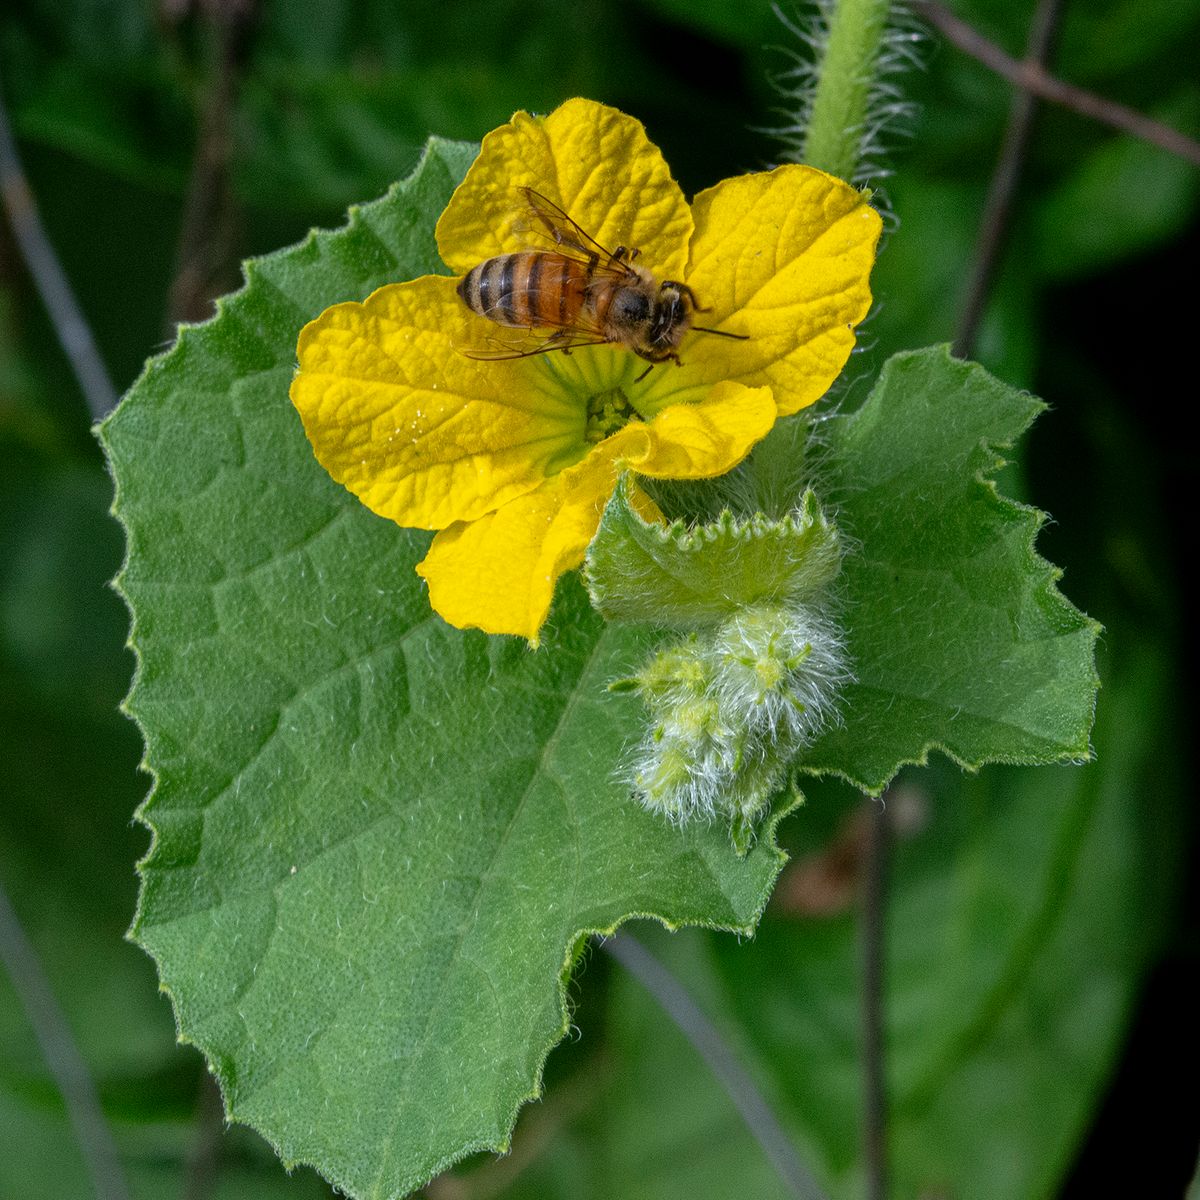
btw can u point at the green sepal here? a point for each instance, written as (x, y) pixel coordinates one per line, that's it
(685, 578)
(742, 833)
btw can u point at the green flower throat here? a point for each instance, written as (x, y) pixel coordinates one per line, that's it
(607, 412)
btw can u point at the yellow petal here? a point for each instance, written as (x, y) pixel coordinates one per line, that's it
(595, 163)
(498, 573)
(420, 433)
(644, 506)
(785, 257)
(698, 441)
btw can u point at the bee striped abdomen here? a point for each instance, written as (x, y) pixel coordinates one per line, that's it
(526, 290)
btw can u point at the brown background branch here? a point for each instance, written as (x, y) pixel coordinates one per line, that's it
(205, 253)
(73, 332)
(1031, 76)
(1002, 190)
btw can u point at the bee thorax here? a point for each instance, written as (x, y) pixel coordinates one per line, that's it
(630, 307)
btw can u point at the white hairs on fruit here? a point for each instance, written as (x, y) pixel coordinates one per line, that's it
(732, 708)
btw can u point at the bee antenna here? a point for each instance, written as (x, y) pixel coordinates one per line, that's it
(741, 337)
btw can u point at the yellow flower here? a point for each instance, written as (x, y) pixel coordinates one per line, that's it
(513, 460)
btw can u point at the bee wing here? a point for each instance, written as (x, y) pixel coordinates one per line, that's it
(519, 342)
(545, 217)
(522, 343)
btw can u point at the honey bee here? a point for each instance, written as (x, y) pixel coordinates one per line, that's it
(583, 293)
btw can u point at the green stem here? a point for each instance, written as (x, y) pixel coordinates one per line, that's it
(833, 141)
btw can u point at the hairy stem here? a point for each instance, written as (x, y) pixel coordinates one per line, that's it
(838, 121)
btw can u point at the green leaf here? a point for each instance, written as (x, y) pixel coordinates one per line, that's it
(958, 637)
(1126, 197)
(682, 578)
(378, 841)
(1024, 908)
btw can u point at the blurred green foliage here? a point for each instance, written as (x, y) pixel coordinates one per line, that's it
(336, 101)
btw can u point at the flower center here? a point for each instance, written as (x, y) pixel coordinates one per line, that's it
(607, 412)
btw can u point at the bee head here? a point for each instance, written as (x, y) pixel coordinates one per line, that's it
(672, 316)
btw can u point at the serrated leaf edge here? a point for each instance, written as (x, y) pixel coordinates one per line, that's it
(1046, 573)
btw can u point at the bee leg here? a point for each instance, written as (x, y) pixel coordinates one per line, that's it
(644, 373)
(684, 290)
(559, 336)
